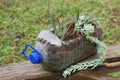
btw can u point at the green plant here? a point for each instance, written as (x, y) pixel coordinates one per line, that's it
(115, 74)
(85, 27)
(84, 21)
(58, 29)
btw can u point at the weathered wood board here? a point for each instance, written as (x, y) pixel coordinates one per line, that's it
(27, 71)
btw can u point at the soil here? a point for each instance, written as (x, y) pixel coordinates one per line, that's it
(70, 33)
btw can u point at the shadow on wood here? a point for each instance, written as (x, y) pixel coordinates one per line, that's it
(27, 71)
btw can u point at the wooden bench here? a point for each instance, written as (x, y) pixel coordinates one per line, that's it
(27, 71)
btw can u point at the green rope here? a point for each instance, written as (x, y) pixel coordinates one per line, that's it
(87, 29)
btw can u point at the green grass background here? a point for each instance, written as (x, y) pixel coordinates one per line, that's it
(22, 20)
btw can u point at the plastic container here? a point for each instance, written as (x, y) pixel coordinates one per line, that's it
(56, 55)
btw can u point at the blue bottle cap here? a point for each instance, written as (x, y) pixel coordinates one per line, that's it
(35, 57)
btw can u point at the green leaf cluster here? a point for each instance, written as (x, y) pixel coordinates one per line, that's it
(86, 28)
(58, 29)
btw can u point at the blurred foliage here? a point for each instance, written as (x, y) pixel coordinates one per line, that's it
(22, 20)
(115, 74)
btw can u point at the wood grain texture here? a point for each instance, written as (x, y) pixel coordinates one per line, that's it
(27, 71)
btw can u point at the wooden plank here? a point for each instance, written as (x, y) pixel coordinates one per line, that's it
(27, 71)
(113, 49)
